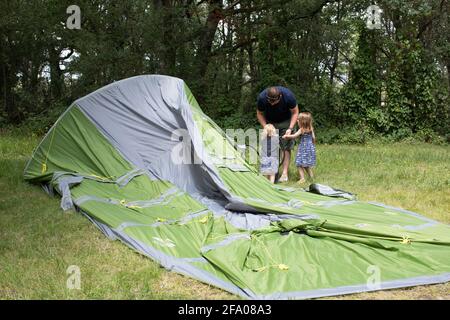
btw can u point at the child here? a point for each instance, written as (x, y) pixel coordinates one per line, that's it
(269, 152)
(306, 154)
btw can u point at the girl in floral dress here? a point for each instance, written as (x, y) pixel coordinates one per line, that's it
(306, 155)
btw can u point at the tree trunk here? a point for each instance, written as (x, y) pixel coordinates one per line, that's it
(169, 51)
(56, 80)
(335, 50)
(240, 72)
(448, 73)
(206, 40)
(12, 113)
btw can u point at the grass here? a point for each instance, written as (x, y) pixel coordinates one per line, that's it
(38, 242)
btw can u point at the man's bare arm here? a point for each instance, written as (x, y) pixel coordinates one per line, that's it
(294, 117)
(261, 119)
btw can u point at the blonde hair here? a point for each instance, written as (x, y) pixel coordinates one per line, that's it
(305, 122)
(269, 131)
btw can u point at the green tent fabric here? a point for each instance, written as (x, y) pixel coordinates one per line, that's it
(110, 156)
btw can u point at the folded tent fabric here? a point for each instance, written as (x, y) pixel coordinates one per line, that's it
(215, 219)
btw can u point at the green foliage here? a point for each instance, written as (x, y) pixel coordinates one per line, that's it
(346, 135)
(425, 135)
(416, 100)
(362, 95)
(364, 135)
(392, 82)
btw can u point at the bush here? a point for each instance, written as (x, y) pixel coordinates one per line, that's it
(428, 136)
(363, 135)
(347, 135)
(399, 135)
(38, 124)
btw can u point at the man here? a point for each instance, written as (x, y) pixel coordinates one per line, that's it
(278, 106)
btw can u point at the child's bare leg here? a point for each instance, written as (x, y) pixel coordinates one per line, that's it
(309, 170)
(272, 178)
(301, 172)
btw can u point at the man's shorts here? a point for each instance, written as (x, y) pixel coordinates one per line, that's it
(285, 144)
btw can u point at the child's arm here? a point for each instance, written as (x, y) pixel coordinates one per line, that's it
(313, 136)
(293, 136)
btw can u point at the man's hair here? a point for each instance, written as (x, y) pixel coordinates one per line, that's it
(273, 93)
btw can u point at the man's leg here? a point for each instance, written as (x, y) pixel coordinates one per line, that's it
(286, 147)
(286, 161)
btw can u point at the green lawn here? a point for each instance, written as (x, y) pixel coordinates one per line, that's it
(38, 242)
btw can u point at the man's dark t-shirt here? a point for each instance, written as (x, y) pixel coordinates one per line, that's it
(281, 111)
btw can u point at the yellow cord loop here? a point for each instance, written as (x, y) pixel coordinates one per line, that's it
(126, 205)
(280, 266)
(98, 177)
(44, 164)
(406, 240)
(204, 219)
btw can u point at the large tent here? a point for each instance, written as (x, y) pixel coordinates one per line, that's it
(110, 156)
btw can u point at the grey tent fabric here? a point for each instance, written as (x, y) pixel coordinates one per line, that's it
(125, 112)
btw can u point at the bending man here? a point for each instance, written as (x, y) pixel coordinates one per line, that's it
(278, 106)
